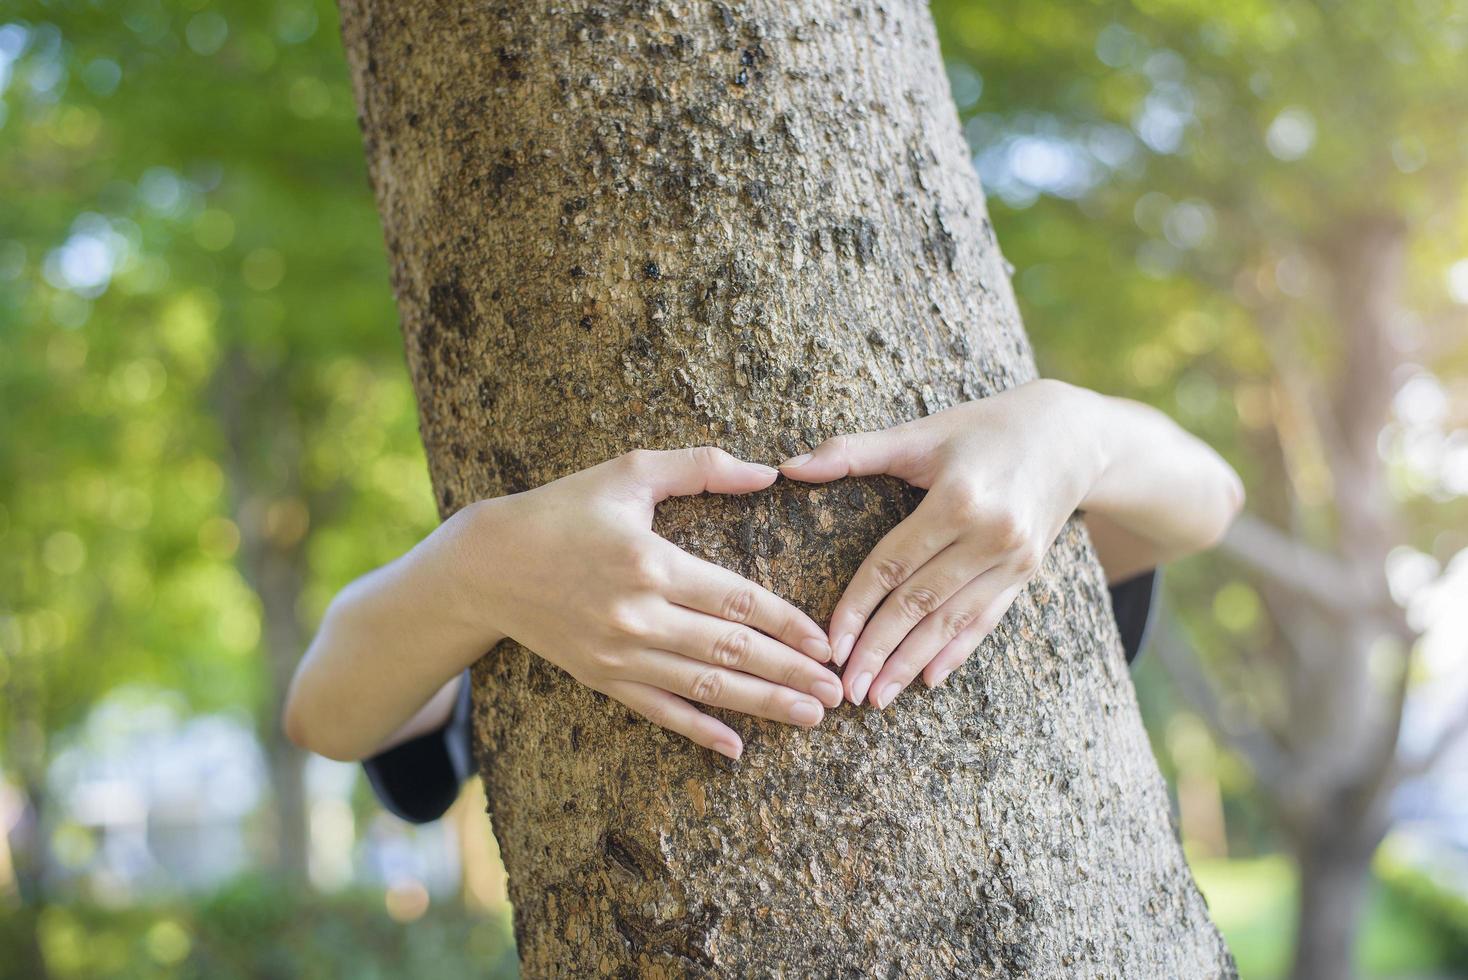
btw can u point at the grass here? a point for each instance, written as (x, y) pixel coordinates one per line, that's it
(1253, 903)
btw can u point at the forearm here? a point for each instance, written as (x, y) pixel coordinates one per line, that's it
(1161, 493)
(390, 643)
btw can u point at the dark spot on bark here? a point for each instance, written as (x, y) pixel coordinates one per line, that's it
(446, 499)
(587, 322)
(413, 120)
(510, 61)
(642, 349)
(488, 393)
(577, 272)
(854, 239)
(652, 271)
(684, 937)
(940, 246)
(514, 475)
(875, 338)
(500, 175)
(626, 853)
(742, 78)
(496, 295)
(574, 205)
(450, 308)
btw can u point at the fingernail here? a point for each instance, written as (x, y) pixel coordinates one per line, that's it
(938, 681)
(829, 692)
(888, 693)
(728, 748)
(843, 648)
(859, 687)
(805, 712)
(800, 460)
(769, 471)
(817, 648)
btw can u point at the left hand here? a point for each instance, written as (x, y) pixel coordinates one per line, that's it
(1003, 475)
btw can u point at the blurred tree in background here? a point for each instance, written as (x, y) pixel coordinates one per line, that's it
(1249, 214)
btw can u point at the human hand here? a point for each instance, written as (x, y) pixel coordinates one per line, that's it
(574, 572)
(1003, 475)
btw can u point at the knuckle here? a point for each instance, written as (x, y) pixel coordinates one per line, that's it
(1027, 559)
(731, 649)
(643, 570)
(892, 572)
(918, 602)
(707, 686)
(969, 506)
(606, 660)
(636, 459)
(738, 605)
(1008, 531)
(658, 714)
(956, 621)
(706, 456)
(625, 620)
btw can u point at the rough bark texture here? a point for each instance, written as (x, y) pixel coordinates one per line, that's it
(657, 224)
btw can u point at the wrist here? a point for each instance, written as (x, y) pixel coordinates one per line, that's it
(1091, 435)
(472, 572)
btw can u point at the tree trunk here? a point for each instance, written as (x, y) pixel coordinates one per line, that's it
(1334, 878)
(264, 458)
(661, 224)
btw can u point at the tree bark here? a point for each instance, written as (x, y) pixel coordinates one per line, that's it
(659, 224)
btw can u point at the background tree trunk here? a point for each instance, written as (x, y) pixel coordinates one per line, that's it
(661, 224)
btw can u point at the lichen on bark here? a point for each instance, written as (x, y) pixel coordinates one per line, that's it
(659, 224)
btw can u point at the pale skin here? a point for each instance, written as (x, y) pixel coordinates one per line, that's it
(573, 571)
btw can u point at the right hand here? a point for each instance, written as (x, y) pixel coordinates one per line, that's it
(576, 574)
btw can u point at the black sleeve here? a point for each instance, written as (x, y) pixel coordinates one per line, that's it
(1132, 602)
(419, 779)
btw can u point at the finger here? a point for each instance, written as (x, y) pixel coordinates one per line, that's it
(902, 551)
(724, 688)
(911, 603)
(712, 589)
(676, 715)
(976, 608)
(857, 454)
(685, 472)
(723, 644)
(961, 647)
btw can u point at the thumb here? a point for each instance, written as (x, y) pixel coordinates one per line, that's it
(701, 469)
(858, 454)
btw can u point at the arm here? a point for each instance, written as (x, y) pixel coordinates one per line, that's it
(573, 571)
(1003, 475)
(384, 666)
(1161, 494)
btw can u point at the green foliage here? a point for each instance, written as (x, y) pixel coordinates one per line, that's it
(256, 928)
(196, 331)
(1171, 179)
(197, 328)
(1424, 900)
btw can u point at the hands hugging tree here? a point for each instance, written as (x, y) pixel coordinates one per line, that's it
(573, 571)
